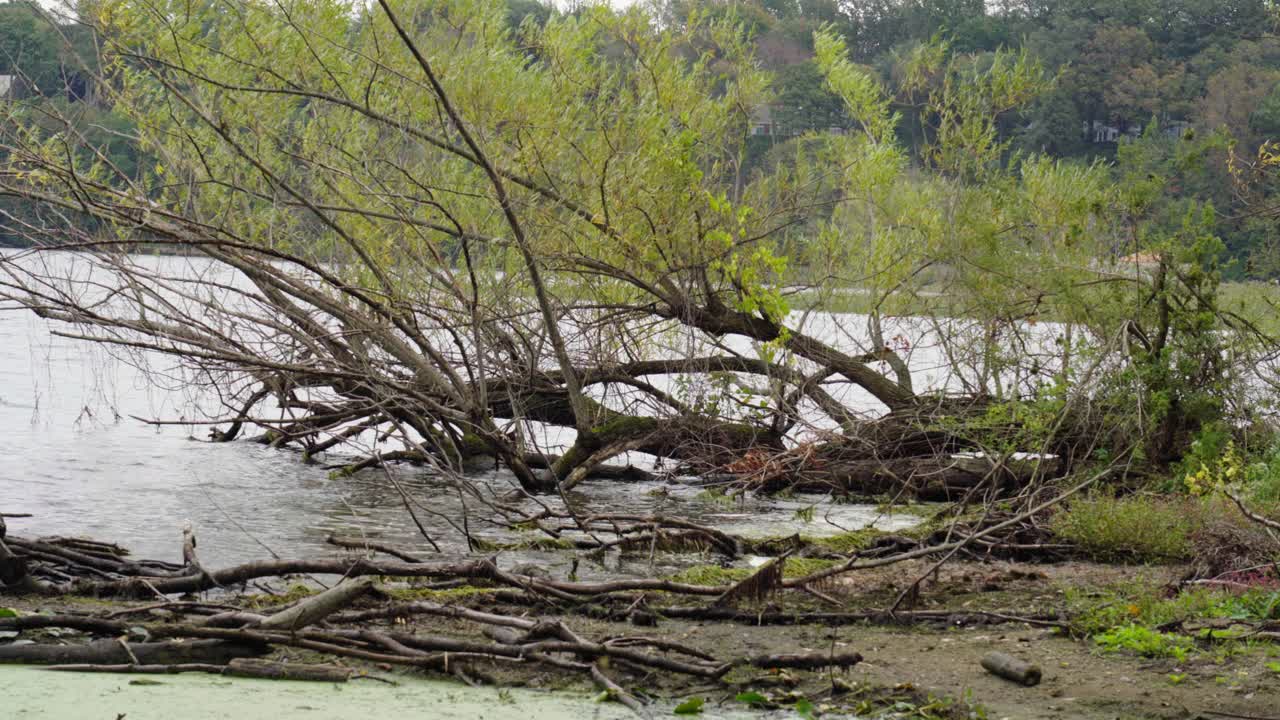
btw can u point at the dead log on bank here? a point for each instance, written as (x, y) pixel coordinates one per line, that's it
(1011, 668)
(116, 651)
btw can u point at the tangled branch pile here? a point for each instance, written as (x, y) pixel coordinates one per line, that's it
(71, 566)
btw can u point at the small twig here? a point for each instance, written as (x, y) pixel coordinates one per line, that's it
(1267, 523)
(404, 496)
(166, 605)
(374, 546)
(616, 691)
(239, 527)
(124, 643)
(821, 595)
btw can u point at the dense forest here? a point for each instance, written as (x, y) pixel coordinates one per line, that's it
(1191, 87)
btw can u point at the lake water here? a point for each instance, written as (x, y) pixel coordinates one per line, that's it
(74, 456)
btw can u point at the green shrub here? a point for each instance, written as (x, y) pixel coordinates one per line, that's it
(1095, 612)
(1263, 476)
(1215, 462)
(1145, 642)
(1205, 450)
(1135, 528)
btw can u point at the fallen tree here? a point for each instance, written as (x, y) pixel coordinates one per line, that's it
(462, 280)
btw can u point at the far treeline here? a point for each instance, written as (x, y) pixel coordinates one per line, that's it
(1196, 83)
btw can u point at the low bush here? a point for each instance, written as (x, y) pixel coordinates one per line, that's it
(1145, 642)
(1136, 528)
(1214, 464)
(1263, 477)
(1097, 612)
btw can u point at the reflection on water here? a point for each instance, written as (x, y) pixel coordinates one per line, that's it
(74, 457)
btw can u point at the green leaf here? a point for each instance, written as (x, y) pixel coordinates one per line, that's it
(692, 706)
(804, 708)
(8, 612)
(752, 698)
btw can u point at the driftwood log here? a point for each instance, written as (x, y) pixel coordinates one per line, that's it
(116, 651)
(1011, 668)
(236, 667)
